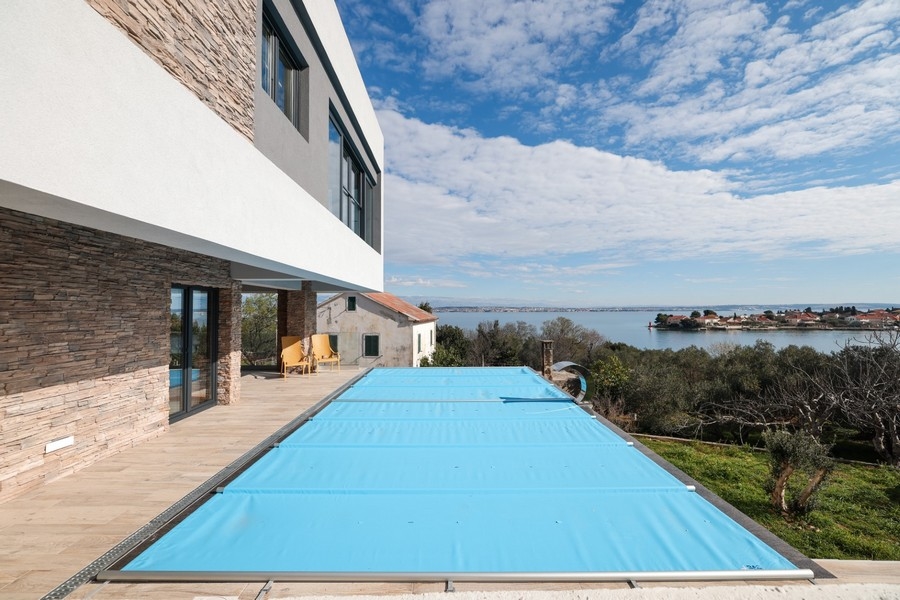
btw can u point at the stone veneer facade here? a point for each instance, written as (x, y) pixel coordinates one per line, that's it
(210, 47)
(84, 343)
(297, 313)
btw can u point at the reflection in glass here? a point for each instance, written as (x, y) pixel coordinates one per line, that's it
(192, 349)
(334, 169)
(200, 346)
(265, 61)
(176, 351)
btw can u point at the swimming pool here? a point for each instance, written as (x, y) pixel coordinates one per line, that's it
(457, 473)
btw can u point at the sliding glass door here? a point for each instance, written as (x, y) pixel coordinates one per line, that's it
(192, 356)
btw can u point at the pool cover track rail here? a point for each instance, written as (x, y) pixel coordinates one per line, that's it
(422, 577)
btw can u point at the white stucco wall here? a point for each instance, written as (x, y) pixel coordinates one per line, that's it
(95, 133)
(397, 335)
(428, 333)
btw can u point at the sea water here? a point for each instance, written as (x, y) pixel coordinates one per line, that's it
(632, 327)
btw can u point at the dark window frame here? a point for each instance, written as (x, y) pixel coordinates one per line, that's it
(351, 188)
(275, 51)
(367, 338)
(351, 303)
(187, 310)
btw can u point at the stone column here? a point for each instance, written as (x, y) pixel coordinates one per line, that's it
(297, 313)
(228, 376)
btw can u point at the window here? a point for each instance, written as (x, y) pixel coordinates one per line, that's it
(419, 343)
(351, 303)
(350, 189)
(370, 345)
(280, 73)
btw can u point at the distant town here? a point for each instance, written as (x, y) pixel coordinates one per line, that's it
(731, 317)
(841, 317)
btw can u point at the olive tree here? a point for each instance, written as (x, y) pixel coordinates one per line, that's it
(867, 382)
(792, 452)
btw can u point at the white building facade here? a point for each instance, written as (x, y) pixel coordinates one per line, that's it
(377, 329)
(157, 159)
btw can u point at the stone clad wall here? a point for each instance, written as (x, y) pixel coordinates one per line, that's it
(84, 343)
(228, 374)
(210, 47)
(297, 313)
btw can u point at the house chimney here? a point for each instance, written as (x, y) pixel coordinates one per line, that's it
(547, 359)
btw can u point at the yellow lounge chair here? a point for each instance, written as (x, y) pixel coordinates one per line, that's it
(292, 355)
(322, 352)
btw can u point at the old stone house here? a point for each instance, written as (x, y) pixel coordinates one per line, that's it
(377, 329)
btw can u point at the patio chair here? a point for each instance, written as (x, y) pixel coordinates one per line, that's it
(322, 351)
(292, 355)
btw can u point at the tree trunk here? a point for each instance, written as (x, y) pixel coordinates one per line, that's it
(777, 498)
(894, 437)
(814, 482)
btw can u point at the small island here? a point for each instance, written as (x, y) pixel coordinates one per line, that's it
(841, 317)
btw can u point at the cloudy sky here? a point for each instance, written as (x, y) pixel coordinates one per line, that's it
(615, 153)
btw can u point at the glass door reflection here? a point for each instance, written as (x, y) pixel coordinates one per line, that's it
(192, 335)
(201, 363)
(176, 352)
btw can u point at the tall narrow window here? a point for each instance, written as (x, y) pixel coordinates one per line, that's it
(351, 303)
(350, 190)
(280, 73)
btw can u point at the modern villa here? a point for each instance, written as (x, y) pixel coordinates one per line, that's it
(157, 160)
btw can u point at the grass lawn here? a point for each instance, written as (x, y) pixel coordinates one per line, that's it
(857, 515)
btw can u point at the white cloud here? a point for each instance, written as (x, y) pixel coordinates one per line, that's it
(395, 281)
(714, 81)
(509, 44)
(454, 196)
(725, 84)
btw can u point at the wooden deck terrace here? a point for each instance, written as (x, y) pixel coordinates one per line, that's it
(51, 534)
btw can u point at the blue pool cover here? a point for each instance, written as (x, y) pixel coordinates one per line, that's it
(453, 471)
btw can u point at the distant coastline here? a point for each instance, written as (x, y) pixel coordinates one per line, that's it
(668, 308)
(852, 318)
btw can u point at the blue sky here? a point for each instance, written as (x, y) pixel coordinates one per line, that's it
(615, 153)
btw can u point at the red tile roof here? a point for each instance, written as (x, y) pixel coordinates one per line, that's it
(414, 313)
